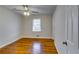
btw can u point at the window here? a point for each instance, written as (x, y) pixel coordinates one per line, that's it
(36, 25)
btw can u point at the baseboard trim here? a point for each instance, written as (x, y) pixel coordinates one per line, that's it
(24, 37)
(9, 42)
(37, 37)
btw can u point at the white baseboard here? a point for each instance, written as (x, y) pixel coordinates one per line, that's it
(37, 37)
(9, 42)
(20, 38)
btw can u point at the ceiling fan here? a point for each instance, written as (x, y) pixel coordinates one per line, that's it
(26, 10)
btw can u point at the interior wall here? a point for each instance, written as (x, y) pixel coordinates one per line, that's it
(58, 26)
(10, 26)
(46, 25)
(65, 29)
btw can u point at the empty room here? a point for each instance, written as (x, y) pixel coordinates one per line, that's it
(39, 29)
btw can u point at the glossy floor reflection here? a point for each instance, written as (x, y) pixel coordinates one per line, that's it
(30, 46)
(37, 48)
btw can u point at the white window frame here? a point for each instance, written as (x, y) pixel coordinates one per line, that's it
(33, 29)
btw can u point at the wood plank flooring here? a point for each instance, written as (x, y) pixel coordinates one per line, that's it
(30, 46)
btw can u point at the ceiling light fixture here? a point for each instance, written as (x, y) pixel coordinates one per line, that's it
(25, 8)
(26, 13)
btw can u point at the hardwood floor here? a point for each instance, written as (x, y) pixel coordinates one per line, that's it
(30, 46)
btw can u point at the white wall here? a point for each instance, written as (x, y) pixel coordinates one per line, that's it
(46, 21)
(58, 26)
(14, 26)
(10, 26)
(65, 28)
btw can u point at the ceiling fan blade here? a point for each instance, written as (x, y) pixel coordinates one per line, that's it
(35, 12)
(22, 9)
(19, 10)
(15, 9)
